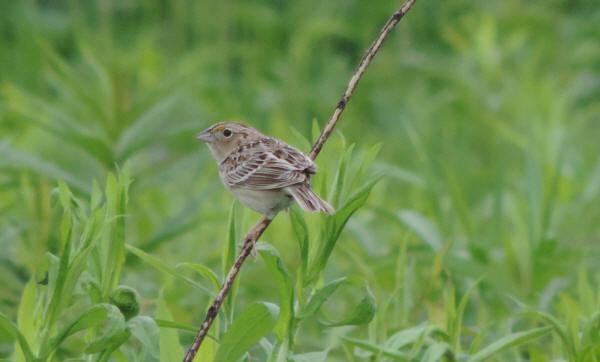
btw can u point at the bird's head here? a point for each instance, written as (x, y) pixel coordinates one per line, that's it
(225, 137)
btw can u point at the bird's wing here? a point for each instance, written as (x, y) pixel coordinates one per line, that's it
(266, 165)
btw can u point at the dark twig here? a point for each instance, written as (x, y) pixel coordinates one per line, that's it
(257, 230)
(362, 66)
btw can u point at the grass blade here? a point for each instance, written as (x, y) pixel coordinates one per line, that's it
(363, 313)
(229, 258)
(158, 264)
(319, 297)
(334, 226)
(435, 352)
(301, 233)
(456, 332)
(11, 329)
(309, 357)
(284, 326)
(204, 271)
(170, 348)
(509, 341)
(422, 227)
(397, 355)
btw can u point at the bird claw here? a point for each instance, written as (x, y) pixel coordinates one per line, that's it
(253, 251)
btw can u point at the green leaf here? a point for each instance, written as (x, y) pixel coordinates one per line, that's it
(316, 130)
(334, 226)
(363, 313)
(247, 329)
(181, 222)
(408, 336)
(309, 357)
(230, 246)
(585, 291)
(319, 297)
(299, 140)
(207, 351)
(96, 196)
(55, 120)
(509, 341)
(229, 258)
(145, 330)
(117, 195)
(301, 233)
(147, 128)
(368, 346)
(56, 301)
(340, 176)
(112, 333)
(365, 164)
(456, 332)
(558, 327)
(22, 160)
(277, 353)
(435, 352)
(449, 306)
(92, 233)
(112, 344)
(170, 348)
(271, 256)
(396, 172)
(204, 271)
(26, 316)
(11, 329)
(591, 330)
(158, 264)
(422, 227)
(96, 316)
(65, 195)
(170, 324)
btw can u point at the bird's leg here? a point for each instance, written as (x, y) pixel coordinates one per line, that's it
(254, 233)
(253, 251)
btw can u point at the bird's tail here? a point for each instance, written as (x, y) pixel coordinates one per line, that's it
(308, 200)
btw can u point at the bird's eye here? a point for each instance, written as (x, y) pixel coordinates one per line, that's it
(227, 133)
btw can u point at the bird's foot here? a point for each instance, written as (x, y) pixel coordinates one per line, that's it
(254, 251)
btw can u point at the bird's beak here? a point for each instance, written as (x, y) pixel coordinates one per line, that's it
(205, 136)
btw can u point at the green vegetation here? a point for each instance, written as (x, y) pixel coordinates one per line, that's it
(465, 172)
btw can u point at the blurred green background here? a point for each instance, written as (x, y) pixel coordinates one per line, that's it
(487, 112)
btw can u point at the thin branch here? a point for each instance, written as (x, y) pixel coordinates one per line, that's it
(362, 66)
(257, 230)
(249, 241)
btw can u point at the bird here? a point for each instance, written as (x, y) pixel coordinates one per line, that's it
(263, 173)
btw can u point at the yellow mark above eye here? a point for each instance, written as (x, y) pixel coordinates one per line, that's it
(219, 129)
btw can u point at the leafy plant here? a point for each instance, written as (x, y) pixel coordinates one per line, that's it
(483, 117)
(80, 290)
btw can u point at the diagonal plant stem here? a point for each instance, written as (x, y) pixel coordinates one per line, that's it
(362, 66)
(257, 230)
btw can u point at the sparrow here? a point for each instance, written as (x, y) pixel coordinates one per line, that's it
(263, 173)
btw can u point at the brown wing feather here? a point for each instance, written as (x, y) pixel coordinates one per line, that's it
(266, 165)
